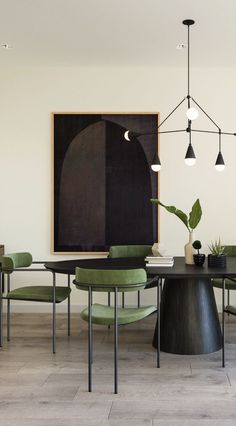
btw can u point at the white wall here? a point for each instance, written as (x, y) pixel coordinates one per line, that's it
(29, 95)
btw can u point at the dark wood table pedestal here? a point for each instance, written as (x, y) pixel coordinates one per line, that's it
(189, 319)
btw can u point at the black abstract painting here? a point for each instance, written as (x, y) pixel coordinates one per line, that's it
(102, 183)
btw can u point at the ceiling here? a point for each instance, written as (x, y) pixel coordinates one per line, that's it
(116, 32)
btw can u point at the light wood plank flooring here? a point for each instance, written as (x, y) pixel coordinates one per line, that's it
(38, 388)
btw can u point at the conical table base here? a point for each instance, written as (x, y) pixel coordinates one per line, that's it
(189, 319)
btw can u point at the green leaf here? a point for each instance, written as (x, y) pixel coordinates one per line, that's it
(172, 209)
(195, 215)
(182, 216)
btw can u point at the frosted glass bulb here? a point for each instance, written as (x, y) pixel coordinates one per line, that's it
(126, 135)
(190, 161)
(156, 167)
(220, 167)
(192, 113)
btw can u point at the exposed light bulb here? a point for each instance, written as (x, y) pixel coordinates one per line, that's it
(156, 167)
(190, 161)
(156, 164)
(126, 135)
(192, 113)
(220, 167)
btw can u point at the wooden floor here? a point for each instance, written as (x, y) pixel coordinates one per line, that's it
(38, 388)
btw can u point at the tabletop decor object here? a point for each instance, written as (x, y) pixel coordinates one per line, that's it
(217, 257)
(198, 258)
(156, 250)
(190, 221)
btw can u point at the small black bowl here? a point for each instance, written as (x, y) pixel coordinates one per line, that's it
(199, 259)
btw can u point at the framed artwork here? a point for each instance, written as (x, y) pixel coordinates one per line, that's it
(102, 183)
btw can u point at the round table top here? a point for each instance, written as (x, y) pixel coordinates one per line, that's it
(68, 266)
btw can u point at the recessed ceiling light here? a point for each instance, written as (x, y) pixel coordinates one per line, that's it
(181, 46)
(6, 46)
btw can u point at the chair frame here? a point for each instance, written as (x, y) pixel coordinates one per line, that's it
(123, 294)
(224, 311)
(115, 289)
(229, 247)
(3, 273)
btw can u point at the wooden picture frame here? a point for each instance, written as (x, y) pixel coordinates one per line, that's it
(102, 183)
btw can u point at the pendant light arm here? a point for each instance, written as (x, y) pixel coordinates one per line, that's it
(214, 132)
(204, 112)
(172, 131)
(177, 106)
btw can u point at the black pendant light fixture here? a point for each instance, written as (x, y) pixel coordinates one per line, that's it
(193, 108)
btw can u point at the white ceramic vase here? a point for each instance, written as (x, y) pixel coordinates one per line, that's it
(188, 250)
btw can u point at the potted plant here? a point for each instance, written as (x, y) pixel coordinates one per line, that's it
(198, 258)
(217, 258)
(190, 221)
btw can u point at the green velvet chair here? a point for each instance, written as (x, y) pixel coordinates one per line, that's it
(129, 251)
(229, 284)
(115, 281)
(10, 263)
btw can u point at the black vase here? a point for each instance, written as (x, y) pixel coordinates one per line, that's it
(217, 261)
(199, 259)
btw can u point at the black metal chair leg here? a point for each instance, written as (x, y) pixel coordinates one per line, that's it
(90, 340)
(123, 300)
(8, 320)
(54, 315)
(115, 343)
(138, 299)
(1, 275)
(68, 309)
(109, 302)
(8, 309)
(223, 322)
(228, 298)
(159, 286)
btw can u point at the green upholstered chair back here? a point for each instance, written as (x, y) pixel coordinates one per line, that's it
(101, 279)
(130, 251)
(230, 250)
(15, 260)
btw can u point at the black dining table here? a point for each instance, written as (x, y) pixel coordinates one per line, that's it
(189, 321)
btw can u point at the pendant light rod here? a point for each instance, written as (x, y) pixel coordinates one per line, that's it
(188, 70)
(219, 140)
(188, 22)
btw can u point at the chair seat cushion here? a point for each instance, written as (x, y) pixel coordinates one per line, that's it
(39, 293)
(229, 285)
(104, 315)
